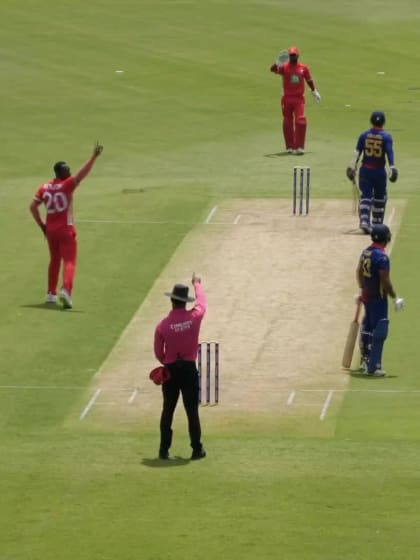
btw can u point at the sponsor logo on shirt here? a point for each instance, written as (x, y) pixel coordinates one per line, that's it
(180, 327)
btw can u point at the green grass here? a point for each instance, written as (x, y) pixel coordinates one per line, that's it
(298, 498)
(194, 118)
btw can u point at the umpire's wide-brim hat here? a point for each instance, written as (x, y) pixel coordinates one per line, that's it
(180, 293)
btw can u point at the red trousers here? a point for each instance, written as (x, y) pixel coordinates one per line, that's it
(294, 122)
(63, 247)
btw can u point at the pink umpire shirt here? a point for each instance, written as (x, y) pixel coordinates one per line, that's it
(176, 336)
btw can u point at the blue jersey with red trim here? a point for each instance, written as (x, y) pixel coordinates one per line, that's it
(372, 260)
(375, 145)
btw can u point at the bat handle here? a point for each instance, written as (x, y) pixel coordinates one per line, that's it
(358, 310)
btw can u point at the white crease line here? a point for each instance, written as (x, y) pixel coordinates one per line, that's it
(133, 396)
(291, 398)
(210, 216)
(46, 387)
(236, 220)
(139, 222)
(326, 405)
(127, 389)
(391, 217)
(90, 404)
(268, 221)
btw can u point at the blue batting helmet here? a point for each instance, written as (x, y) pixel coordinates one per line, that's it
(381, 233)
(377, 118)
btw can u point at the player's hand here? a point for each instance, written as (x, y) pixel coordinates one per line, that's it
(273, 68)
(358, 297)
(394, 174)
(351, 174)
(195, 279)
(398, 303)
(316, 95)
(97, 150)
(43, 228)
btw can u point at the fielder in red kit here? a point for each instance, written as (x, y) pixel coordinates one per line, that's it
(57, 195)
(294, 74)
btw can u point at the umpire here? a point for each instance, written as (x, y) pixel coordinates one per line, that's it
(175, 346)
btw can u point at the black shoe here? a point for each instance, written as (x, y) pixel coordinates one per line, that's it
(198, 454)
(164, 455)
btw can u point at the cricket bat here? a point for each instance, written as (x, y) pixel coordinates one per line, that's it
(351, 338)
(356, 197)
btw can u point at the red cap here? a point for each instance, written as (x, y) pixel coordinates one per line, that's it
(159, 375)
(293, 50)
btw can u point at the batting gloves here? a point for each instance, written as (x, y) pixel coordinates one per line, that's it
(394, 174)
(351, 173)
(398, 303)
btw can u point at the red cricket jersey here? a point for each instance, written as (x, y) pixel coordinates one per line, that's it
(57, 195)
(294, 76)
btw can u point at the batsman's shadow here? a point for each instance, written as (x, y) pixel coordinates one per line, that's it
(361, 375)
(165, 463)
(354, 231)
(49, 307)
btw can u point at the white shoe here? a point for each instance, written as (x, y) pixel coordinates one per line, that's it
(365, 227)
(289, 150)
(378, 373)
(300, 151)
(363, 366)
(65, 299)
(51, 298)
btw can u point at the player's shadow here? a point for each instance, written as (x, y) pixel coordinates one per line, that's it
(165, 463)
(361, 375)
(278, 154)
(49, 307)
(285, 154)
(355, 231)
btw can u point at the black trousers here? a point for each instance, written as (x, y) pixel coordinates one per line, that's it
(184, 380)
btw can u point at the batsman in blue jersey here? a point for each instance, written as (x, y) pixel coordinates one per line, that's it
(374, 147)
(375, 285)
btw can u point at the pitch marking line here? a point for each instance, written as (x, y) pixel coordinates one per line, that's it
(210, 216)
(135, 389)
(132, 396)
(291, 398)
(90, 404)
(391, 217)
(326, 404)
(208, 221)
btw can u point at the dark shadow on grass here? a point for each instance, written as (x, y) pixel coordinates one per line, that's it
(50, 307)
(360, 375)
(132, 191)
(165, 463)
(283, 154)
